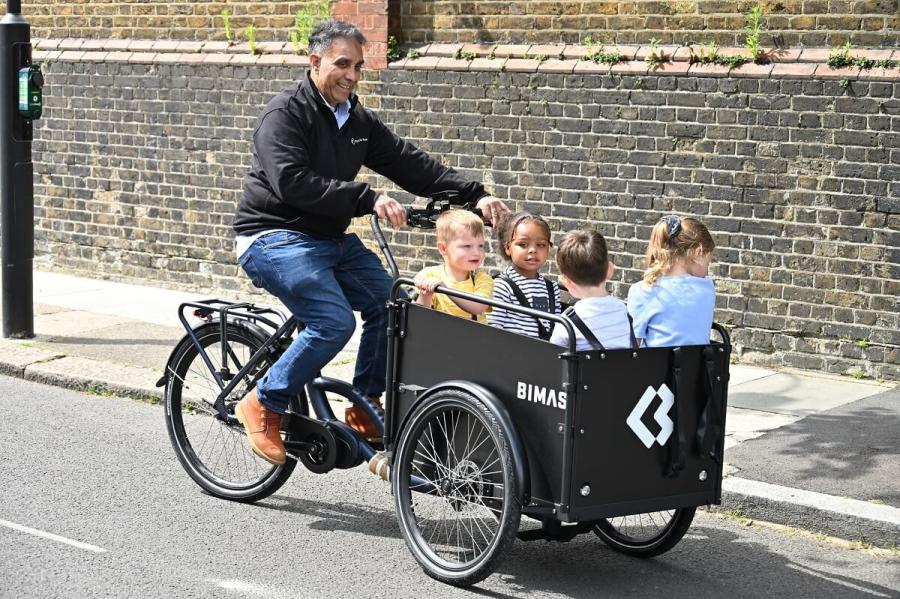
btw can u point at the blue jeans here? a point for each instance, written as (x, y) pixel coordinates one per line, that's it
(322, 281)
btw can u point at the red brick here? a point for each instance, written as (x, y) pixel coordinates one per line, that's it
(591, 67)
(823, 71)
(793, 70)
(554, 65)
(631, 67)
(522, 65)
(511, 50)
(487, 64)
(422, 63)
(880, 74)
(756, 71)
(670, 68)
(447, 63)
(784, 54)
(815, 55)
(444, 49)
(709, 70)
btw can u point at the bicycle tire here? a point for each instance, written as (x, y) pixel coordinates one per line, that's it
(645, 535)
(462, 461)
(215, 454)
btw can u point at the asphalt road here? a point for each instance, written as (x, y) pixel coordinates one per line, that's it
(99, 471)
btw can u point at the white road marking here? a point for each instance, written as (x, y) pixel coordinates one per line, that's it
(51, 536)
(247, 588)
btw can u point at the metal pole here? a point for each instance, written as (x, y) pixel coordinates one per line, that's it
(16, 185)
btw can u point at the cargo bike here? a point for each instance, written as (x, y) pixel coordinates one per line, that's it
(481, 427)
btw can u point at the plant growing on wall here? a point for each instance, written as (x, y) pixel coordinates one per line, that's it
(656, 56)
(250, 34)
(226, 18)
(304, 19)
(753, 28)
(393, 49)
(841, 57)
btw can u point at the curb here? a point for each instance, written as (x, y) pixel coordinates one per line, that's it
(79, 374)
(842, 517)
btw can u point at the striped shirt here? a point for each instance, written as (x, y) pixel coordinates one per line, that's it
(535, 290)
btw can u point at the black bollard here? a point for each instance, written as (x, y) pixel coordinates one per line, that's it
(20, 103)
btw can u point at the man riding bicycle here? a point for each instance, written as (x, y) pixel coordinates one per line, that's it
(298, 200)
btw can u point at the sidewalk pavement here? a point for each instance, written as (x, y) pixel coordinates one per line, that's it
(804, 449)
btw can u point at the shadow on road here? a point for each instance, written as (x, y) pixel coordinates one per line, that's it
(350, 517)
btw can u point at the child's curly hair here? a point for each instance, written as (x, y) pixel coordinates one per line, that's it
(672, 238)
(506, 229)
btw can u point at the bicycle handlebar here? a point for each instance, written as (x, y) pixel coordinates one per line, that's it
(421, 218)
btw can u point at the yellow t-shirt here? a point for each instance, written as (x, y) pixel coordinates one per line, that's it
(480, 283)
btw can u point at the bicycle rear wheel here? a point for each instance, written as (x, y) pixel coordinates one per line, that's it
(455, 488)
(645, 535)
(213, 452)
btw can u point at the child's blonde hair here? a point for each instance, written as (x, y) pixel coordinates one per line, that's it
(583, 257)
(506, 229)
(453, 223)
(672, 238)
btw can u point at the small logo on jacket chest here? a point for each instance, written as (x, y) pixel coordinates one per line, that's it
(358, 140)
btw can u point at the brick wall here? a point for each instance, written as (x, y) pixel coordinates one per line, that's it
(138, 167)
(791, 22)
(868, 23)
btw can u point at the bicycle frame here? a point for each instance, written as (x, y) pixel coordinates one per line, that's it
(229, 311)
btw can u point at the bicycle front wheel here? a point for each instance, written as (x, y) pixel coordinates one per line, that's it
(215, 453)
(455, 488)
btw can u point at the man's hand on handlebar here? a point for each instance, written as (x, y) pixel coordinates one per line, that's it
(390, 209)
(492, 209)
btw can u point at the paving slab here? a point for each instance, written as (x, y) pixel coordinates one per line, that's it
(739, 374)
(742, 425)
(72, 323)
(790, 393)
(134, 343)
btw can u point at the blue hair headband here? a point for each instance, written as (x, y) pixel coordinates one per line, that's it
(673, 224)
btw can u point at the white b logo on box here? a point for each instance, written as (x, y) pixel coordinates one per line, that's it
(661, 416)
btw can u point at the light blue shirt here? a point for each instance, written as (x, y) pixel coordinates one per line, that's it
(677, 310)
(341, 113)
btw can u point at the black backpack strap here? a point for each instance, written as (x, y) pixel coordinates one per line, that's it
(551, 296)
(675, 456)
(634, 342)
(472, 277)
(709, 426)
(543, 332)
(583, 329)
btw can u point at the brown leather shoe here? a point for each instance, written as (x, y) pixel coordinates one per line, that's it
(262, 426)
(358, 419)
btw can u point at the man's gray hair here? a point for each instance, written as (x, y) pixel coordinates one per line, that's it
(325, 32)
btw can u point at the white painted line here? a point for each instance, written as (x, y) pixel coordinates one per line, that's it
(246, 588)
(51, 536)
(820, 501)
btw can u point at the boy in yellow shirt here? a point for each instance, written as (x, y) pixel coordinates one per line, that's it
(460, 240)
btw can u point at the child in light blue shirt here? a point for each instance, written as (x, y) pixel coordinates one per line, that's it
(674, 304)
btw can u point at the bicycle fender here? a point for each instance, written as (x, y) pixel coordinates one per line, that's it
(200, 330)
(499, 411)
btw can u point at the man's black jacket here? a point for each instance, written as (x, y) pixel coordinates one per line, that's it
(303, 169)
